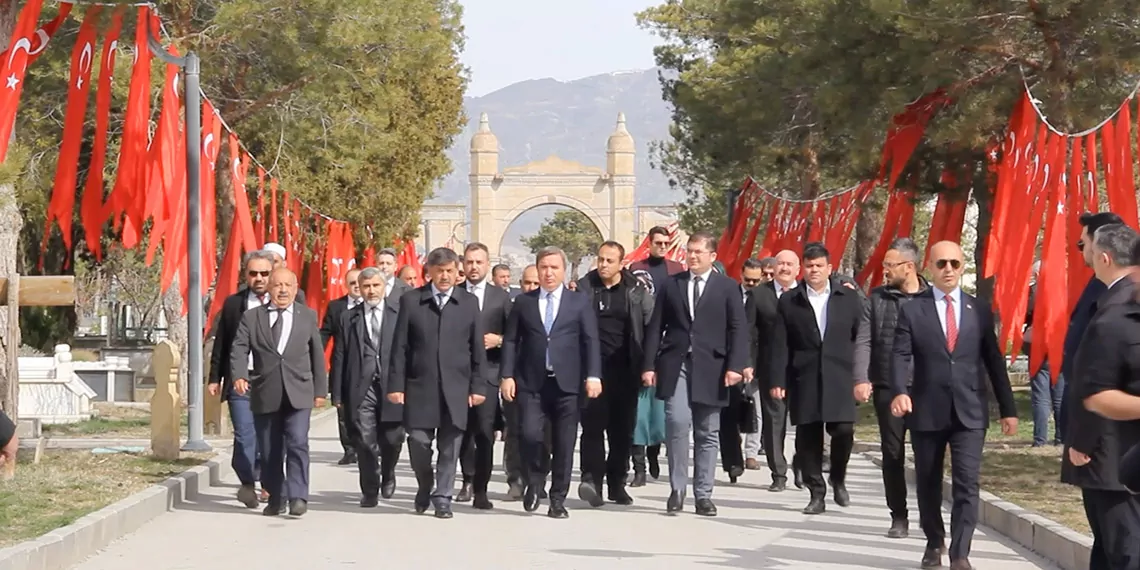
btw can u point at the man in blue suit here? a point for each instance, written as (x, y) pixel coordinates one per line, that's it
(550, 355)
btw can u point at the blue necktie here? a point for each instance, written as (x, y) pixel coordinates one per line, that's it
(548, 322)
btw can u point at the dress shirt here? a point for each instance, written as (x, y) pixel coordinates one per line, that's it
(253, 301)
(435, 293)
(818, 300)
(477, 289)
(286, 327)
(368, 312)
(780, 289)
(555, 297)
(354, 302)
(940, 304)
(704, 288)
(389, 284)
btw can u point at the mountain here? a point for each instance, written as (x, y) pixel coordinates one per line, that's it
(536, 118)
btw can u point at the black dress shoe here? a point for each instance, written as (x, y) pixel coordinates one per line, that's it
(423, 501)
(589, 493)
(839, 491)
(734, 473)
(619, 496)
(778, 485)
(654, 468)
(530, 499)
(443, 512)
(675, 504)
(706, 508)
(482, 503)
(465, 493)
(932, 558)
(247, 496)
(638, 480)
(900, 528)
(557, 511)
(515, 491)
(815, 506)
(348, 459)
(387, 489)
(298, 507)
(961, 564)
(273, 509)
(369, 501)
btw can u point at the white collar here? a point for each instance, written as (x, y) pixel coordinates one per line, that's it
(704, 276)
(955, 295)
(436, 292)
(472, 287)
(813, 293)
(556, 293)
(1117, 280)
(288, 309)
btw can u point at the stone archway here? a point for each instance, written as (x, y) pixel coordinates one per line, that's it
(604, 195)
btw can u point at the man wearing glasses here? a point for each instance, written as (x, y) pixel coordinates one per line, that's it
(246, 462)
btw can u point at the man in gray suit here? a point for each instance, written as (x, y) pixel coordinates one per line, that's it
(287, 380)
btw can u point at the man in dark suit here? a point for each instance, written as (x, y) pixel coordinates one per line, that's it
(477, 453)
(945, 341)
(437, 374)
(740, 397)
(696, 349)
(330, 331)
(512, 460)
(358, 378)
(1105, 377)
(246, 460)
(623, 306)
(287, 380)
(550, 355)
(819, 364)
(278, 254)
(386, 263)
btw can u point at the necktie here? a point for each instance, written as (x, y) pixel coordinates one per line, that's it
(951, 324)
(441, 298)
(374, 325)
(548, 322)
(696, 294)
(278, 326)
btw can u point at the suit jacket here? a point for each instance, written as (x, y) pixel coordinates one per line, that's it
(356, 364)
(1078, 321)
(760, 310)
(820, 374)
(942, 377)
(397, 287)
(1108, 359)
(718, 337)
(295, 376)
(233, 307)
(437, 357)
(496, 309)
(331, 324)
(575, 352)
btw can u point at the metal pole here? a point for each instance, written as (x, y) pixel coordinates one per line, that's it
(731, 196)
(195, 439)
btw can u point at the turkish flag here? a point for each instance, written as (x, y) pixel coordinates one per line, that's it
(211, 145)
(126, 196)
(15, 65)
(239, 170)
(228, 274)
(259, 219)
(62, 203)
(43, 36)
(91, 212)
(273, 210)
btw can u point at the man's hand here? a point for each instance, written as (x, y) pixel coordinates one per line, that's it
(319, 402)
(732, 378)
(863, 392)
(507, 389)
(396, 397)
(241, 386)
(1077, 458)
(593, 389)
(475, 399)
(649, 378)
(492, 340)
(777, 393)
(749, 374)
(901, 406)
(213, 388)
(1009, 426)
(849, 285)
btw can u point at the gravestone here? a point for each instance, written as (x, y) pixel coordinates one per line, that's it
(165, 405)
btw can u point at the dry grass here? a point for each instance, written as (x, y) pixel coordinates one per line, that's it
(1014, 470)
(109, 421)
(67, 485)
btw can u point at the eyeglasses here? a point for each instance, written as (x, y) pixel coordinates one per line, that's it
(941, 263)
(660, 243)
(1080, 245)
(259, 273)
(887, 265)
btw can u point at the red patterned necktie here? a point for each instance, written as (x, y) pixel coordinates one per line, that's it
(951, 324)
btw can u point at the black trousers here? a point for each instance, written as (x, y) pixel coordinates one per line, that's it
(892, 438)
(731, 450)
(344, 429)
(966, 465)
(378, 444)
(809, 453)
(477, 451)
(773, 432)
(562, 410)
(284, 438)
(1114, 518)
(512, 444)
(612, 416)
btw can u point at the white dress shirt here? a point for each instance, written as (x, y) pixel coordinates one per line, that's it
(252, 301)
(478, 289)
(286, 326)
(704, 287)
(555, 296)
(818, 300)
(940, 304)
(780, 289)
(354, 302)
(368, 312)
(435, 293)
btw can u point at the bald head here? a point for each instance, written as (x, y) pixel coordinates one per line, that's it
(529, 281)
(787, 268)
(282, 287)
(946, 265)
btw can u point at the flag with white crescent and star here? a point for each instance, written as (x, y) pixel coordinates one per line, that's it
(15, 65)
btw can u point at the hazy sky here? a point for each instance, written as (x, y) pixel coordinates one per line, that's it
(513, 40)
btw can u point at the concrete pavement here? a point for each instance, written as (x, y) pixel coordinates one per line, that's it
(756, 529)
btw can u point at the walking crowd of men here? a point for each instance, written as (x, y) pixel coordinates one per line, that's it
(629, 359)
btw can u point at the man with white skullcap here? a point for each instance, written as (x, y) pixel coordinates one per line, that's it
(278, 252)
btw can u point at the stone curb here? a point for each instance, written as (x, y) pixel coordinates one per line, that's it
(1053, 541)
(67, 546)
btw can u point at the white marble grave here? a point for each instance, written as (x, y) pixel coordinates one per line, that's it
(50, 391)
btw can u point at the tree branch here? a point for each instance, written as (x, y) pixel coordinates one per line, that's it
(267, 99)
(1003, 52)
(1051, 41)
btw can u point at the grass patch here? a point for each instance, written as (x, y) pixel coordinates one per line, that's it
(68, 484)
(109, 421)
(1011, 467)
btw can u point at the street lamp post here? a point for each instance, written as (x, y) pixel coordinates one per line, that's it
(731, 197)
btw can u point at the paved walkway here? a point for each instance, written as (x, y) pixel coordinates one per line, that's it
(756, 529)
